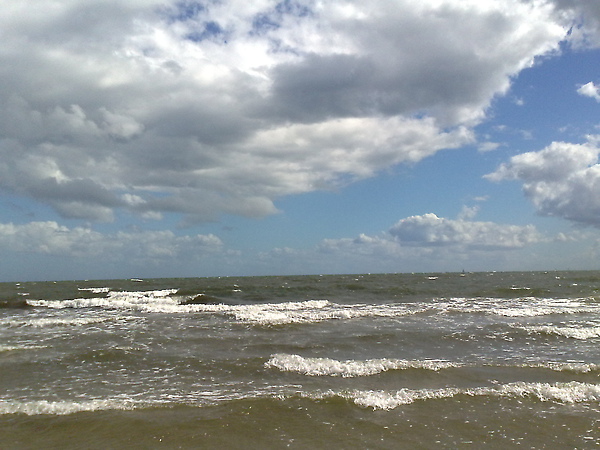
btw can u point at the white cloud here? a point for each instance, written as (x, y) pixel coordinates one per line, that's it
(431, 230)
(590, 90)
(155, 107)
(152, 246)
(584, 15)
(468, 212)
(488, 146)
(416, 243)
(561, 180)
(426, 242)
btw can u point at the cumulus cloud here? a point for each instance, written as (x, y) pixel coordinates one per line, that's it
(53, 239)
(423, 242)
(584, 16)
(562, 180)
(204, 108)
(488, 146)
(431, 230)
(590, 90)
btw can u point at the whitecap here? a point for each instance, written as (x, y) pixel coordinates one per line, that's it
(32, 408)
(520, 307)
(43, 322)
(349, 368)
(136, 300)
(314, 311)
(100, 290)
(570, 392)
(581, 333)
(387, 400)
(573, 366)
(11, 348)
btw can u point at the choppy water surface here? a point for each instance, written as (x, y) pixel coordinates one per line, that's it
(357, 361)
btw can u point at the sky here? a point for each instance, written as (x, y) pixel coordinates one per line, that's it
(143, 138)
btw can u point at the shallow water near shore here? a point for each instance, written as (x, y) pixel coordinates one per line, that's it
(354, 361)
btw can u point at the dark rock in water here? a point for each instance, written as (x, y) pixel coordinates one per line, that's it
(202, 299)
(18, 303)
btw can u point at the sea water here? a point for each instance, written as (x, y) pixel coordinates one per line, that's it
(481, 360)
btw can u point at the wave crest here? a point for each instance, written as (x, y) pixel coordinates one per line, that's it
(570, 392)
(349, 368)
(33, 408)
(569, 332)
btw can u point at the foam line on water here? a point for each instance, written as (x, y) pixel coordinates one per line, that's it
(32, 408)
(12, 348)
(101, 290)
(312, 311)
(519, 307)
(573, 332)
(570, 392)
(349, 368)
(47, 322)
(360, 368)
(566, 393)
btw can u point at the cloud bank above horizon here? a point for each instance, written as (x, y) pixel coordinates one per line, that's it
(148, 109)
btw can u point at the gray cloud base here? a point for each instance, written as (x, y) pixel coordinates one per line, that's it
(113, 102)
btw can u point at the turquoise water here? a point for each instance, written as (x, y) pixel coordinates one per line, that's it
(487, 360)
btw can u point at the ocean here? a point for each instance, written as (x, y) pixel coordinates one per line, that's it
(447, 360)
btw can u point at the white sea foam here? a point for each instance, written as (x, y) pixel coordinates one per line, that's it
(265, 314)
(200, 398)
(315, 311)
(311, 311)
(32, 408)
(165, 301)
(101, 290)
(281, 313)
(136, 300)
(571, 392)
(573, 332)
(349, 368)
(359, 368)
(43, 322)
(289, 312)
(578, 367)
(12, 348)
(391, 400)
(520, 307)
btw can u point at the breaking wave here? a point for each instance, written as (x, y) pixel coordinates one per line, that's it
(102, 290)
(13, 348)
(520, 307)
(43, 322)
(560, 392)
(165, 301)
(350, 368)
(361, 368)
(573, 332)
(570, 392)
(311, 311)
(32, 408)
